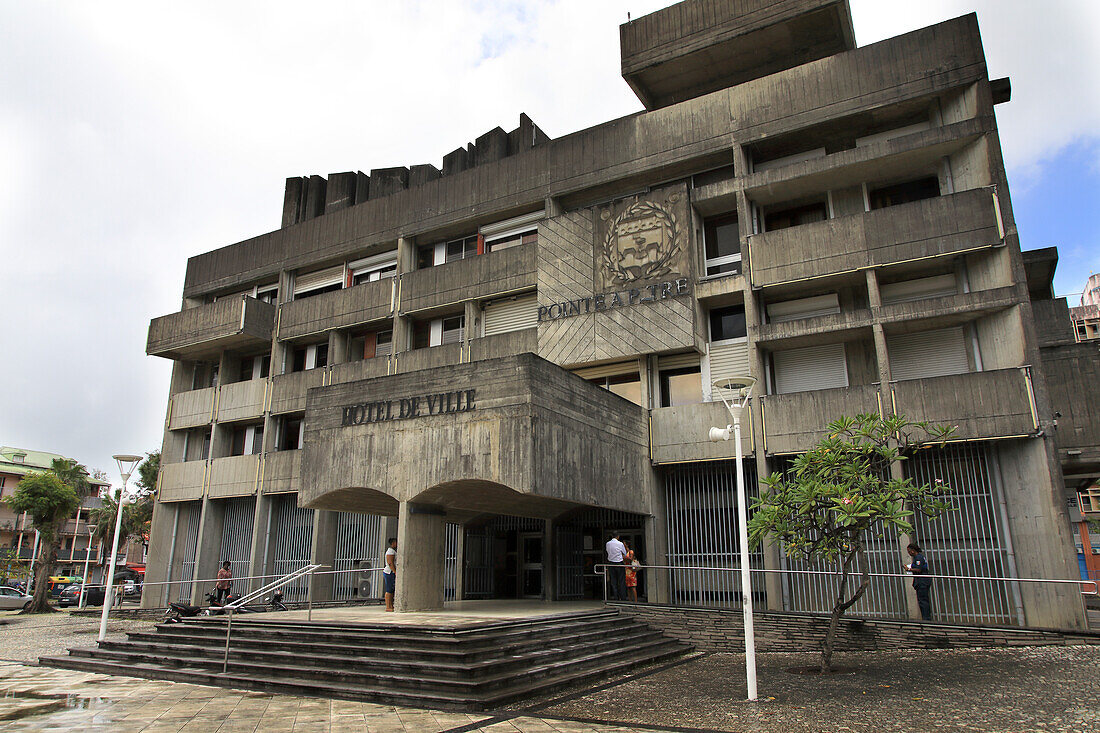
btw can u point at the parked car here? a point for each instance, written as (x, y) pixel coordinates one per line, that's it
(70, 596)
(57, 582)
(10, 598)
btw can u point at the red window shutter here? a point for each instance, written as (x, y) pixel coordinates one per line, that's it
(481, 244)
(370, 343)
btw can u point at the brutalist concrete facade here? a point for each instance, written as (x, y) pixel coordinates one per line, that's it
(833, 220)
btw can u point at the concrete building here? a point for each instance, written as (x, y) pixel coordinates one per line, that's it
(1071, 366)
(501, 359)
(16, 530)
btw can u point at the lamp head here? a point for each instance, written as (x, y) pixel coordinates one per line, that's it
(126, 464)
(734, 392)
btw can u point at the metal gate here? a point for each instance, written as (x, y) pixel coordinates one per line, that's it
(236, 545)
(358, 545)
(191, 512)
(701, 511)
(478, 573)
(450, 561)
(570, 544)
(292, 535)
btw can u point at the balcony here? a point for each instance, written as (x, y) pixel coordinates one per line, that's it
(363, 369)
(282, 471)
(482, 276)
(233, 476)
(993, 404)
(938, 226)
(794, 422)
(435, 356)
(204, 332)
(504, 344)
(191, 409)
(181, 481)
(242, 400)
(339, 309)
(288, 391)
(681, 433)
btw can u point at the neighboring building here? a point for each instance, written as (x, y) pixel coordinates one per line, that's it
(16, 530)
(1071, 365)
(502, 360)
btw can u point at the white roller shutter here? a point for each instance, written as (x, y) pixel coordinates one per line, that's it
(925, 287)
(726, 359)
(509, 315)
(678, 361)
(928, 354)
(792, 310)
(608, 370)
(319, 279)
(815, 367)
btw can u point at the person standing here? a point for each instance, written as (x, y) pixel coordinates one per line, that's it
(225, 580)
(630, 560)
(616, 552)
(389, 573)
(922, 584)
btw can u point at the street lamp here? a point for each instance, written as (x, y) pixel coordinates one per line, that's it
(734, 392)
(126, 465)
(87, 556)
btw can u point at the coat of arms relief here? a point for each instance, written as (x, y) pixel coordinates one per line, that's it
(642, 239)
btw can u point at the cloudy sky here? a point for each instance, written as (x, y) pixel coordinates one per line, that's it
(134, 135)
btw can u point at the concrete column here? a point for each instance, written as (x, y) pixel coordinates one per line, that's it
(553, 207)
(207, 560)
(473, 322)
(406, 254)
(460, 564)
(421, 538)
(257, 554)
(656, 541)
(323, 552)
(163, 529)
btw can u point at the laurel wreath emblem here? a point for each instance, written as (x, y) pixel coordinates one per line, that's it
(659, 266)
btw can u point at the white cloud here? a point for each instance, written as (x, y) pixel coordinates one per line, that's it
(133, 135)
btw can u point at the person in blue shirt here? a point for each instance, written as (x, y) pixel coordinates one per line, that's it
(921, 583)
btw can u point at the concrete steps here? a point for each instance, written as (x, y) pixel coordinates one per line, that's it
(460, 668)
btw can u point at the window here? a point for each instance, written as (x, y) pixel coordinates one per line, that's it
(290, 433)
(512, 232)
(371, 269)
(268, 293)
(722, 245)
(321, 281)
(205, 375)
(904, 193)
(441, 253)
(313, 356)
(196, 445)
(727, 323)
(460, 249)
(439, 331)
(627, 386)
(369, 345)
(813, 307)
(681, 387)
(795, 216)
(247, 440)
(254, 367)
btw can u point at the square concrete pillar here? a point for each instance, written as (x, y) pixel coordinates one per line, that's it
(421, 538)
(257, 556)
(207, 561)
(162, 540)
(323, 552)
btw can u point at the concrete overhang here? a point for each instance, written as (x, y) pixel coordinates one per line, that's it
(204, 332)
(515, 435)
(700, 46)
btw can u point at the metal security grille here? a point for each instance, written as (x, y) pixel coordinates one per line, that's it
(358, 545)
(292, 537)
(190, 513)
(570, 544)
(701, 510)
(236, 544)
(450, 561)
(478, 573)
(969, 541)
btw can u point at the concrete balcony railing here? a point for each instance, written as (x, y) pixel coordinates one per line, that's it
(994, 404)
(282, 471)
(943, 225)
(506, 271)
(363, 369)
(436, 356)
(181, 481)
(504, 344)
(339, 309)
(681, 433)
(288, 391)
(191, 409)
(242, 400)
(204, 332)
(794, 422)
(233, 476)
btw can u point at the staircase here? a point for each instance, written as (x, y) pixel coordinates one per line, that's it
(466, 668)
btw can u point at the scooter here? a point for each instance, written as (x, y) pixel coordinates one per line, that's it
(276, 602)
(176, 612)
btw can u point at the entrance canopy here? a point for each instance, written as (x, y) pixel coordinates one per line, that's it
(515, 435)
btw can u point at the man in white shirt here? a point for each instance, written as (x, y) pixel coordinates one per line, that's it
(616, 555)
(389, 573)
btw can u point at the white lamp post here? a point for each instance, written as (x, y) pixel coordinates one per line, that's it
(126, 464)
(735, 392)
(87, 556)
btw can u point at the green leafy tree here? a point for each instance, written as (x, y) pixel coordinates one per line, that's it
(148, 471)
(10, 564)
(49, 502)
(136, 517)
(838, 494)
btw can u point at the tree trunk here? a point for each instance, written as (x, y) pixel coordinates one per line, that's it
(47, 559)
(841, 605)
